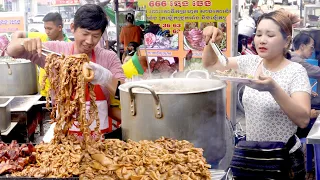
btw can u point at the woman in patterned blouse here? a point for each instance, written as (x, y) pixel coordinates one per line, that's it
(277, 101)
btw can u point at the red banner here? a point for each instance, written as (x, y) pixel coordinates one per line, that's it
(65, 2)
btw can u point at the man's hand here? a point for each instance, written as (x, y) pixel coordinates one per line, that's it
(87, 73)
(32, 45)
(101, 75)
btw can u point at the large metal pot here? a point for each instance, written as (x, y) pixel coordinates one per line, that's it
(18, 77)
(194, 111)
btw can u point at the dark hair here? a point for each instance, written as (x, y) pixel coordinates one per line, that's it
(130, 18)
(142, 26)
(300, 39)
(135, 45)
(284, 23)
(91, 17)
(242, 41)
(54, 17)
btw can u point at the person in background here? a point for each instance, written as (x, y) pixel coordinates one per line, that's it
(130, 32)
(255, 11)
(53, 26)
(303, 45)
(131, 50)
(253, 6)
(277, 100)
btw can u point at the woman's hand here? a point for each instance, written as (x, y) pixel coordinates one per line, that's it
(314, 94)
(314, 114)
(263, 83)
(212, 34)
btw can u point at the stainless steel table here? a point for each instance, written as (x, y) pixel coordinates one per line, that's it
(314, 139)
(23, 113)
(314, 134)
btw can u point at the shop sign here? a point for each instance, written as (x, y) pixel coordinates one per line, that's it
(65, 2)
(11, 24)
(180, 15)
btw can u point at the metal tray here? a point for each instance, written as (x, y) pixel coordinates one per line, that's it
(7, 176)
(215, 175)
(29, 178)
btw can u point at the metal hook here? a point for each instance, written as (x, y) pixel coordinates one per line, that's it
(9, 69)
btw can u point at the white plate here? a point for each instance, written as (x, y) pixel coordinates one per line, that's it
(234, 79)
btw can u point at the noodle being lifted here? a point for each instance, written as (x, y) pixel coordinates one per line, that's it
(67, 78)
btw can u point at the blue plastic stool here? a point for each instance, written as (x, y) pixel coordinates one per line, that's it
(309, 155)
(317, 160)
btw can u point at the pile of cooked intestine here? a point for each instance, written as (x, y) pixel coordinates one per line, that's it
(95, 158)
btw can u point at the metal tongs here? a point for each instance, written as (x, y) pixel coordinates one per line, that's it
(221, 57)
(46, 52)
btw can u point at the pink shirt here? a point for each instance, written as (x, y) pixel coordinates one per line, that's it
(105, 58)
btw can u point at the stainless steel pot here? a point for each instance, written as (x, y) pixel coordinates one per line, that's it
(193, 111)
(5, 113)
(18, 77)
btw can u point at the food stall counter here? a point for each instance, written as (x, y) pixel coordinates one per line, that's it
(314, 139)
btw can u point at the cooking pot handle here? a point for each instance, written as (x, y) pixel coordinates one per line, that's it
(153, 93)
(198, 71)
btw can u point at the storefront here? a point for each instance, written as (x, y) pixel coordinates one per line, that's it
(66, 8)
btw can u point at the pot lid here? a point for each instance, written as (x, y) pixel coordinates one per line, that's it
(175, 86)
